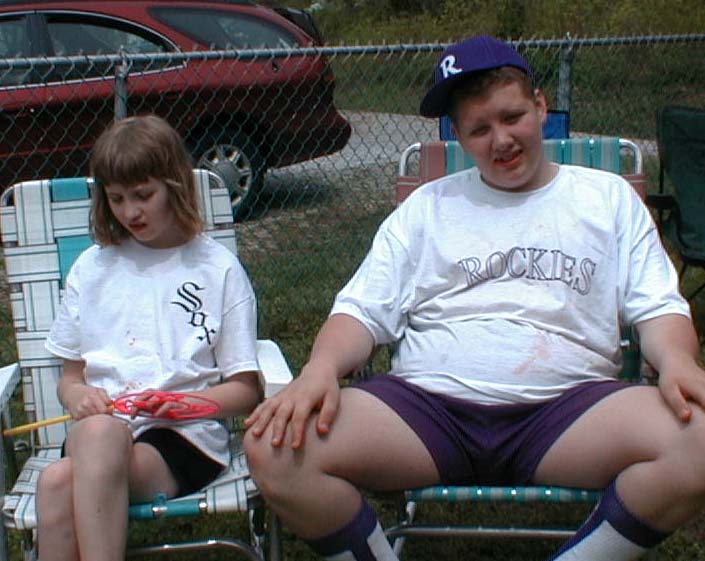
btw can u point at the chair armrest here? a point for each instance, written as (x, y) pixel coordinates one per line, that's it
(660, 201)
(9, 378)
(274, 371)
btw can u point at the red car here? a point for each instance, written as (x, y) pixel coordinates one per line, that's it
(239, 116)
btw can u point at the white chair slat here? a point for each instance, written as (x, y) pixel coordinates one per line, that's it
(33, 213)
(69, 217)
(8, 225)
(30, 349)
(31, 264)
(18, 308)
(226, 238)
(41, 301)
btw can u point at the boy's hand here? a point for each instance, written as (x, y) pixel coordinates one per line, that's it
(83, 401)
(315, 389)
(682, 384)
(669, 343)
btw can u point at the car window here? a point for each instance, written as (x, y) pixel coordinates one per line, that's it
(15, 43)
(70, 34)
(226, 30)
(14, 38)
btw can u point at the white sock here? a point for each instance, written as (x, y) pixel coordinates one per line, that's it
(611, 533)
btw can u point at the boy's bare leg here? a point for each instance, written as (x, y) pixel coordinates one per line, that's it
(633, 435)
(315, 489)
(650, 462)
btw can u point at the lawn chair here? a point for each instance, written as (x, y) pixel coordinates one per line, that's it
(436, 159)
(44, 226)
(680, 132)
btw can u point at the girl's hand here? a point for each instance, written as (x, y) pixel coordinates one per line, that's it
(83, 400)
(151, 404)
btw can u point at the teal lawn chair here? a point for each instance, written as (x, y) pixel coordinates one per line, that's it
(680, 132)
(44, 226)
(436, 159)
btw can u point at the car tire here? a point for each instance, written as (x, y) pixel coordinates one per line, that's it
(236, 159)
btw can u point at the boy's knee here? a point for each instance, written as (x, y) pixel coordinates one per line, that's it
(268, 466)
(258, 456)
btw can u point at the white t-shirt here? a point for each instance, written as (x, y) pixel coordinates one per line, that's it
(503, 297)
(179, 319)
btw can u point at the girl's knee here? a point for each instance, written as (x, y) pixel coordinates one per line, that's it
(56, 479)
(99, 434)
(54, 495)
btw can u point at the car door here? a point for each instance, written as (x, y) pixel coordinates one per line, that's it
(52, 115)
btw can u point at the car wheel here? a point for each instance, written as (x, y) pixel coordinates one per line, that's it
(238, 162)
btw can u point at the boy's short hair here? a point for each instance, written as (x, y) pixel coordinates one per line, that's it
(133, 151)
(478, 83)
(468, 59)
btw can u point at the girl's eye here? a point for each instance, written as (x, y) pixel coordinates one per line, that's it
(143, 196)
(114, 199)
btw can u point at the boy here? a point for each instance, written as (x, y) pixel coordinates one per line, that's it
(502, 289)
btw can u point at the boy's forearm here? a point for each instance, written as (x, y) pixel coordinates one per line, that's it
(666, 338)
(343, 344)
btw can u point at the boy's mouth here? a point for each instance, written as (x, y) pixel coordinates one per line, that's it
(509, 159)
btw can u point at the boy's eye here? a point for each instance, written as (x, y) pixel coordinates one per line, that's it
(513, 117)
(479, 131)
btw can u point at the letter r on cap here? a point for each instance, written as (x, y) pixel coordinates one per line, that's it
(447, 66)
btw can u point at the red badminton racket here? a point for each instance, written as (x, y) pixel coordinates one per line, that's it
(182, 406)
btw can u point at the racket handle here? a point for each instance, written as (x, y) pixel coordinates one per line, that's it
(39, 424)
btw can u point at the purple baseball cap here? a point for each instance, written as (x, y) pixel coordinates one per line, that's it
(460, 59)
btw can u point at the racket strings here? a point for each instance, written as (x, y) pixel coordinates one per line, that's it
(146, 404)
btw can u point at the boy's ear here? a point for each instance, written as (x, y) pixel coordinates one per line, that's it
(541, 104)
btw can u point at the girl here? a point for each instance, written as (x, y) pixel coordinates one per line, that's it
(156, 304)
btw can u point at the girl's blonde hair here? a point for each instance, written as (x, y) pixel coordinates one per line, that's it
(133, 151)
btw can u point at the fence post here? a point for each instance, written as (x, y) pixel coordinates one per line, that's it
(565, 67)
(122, 71)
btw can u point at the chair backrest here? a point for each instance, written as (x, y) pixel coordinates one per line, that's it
(436, 159)
(680, 133)
(45, 226)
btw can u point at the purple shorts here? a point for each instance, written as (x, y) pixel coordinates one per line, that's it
(486, 444)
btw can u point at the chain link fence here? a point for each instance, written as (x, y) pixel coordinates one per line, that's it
(308, 140)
